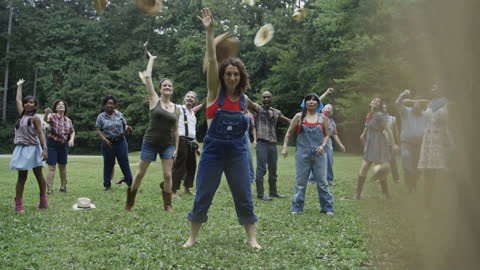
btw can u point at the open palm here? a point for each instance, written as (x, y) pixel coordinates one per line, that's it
(206, 18)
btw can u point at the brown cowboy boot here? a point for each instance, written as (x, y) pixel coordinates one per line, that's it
(131, 194)
(360, 183)
(167, 199)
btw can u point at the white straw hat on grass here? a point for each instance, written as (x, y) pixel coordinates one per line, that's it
(264, 35)
(83, 204)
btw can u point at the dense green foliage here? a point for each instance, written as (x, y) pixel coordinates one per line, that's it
(360, 47)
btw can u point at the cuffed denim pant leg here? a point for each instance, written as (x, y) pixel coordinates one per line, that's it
(219, 156)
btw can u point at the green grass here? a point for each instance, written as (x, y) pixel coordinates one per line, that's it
(149, 238)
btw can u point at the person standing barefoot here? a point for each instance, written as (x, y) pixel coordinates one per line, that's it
(224, 148)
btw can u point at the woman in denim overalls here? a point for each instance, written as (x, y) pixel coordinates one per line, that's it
(310, 155)
(225, 146)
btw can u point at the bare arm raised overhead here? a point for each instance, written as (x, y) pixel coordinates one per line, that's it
(19, 97)
(146, 77)
(213, 82)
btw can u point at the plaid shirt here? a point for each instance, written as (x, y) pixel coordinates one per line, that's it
(59, 128)
(266, 124)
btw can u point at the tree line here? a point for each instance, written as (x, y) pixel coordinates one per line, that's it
(362, 48)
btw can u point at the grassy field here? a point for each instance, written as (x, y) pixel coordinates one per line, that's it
(149, 238)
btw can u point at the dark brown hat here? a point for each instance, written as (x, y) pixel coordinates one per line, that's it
(150, 7)
(100, 6)
(226, 45)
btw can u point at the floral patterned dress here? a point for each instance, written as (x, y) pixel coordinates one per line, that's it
(436, 146)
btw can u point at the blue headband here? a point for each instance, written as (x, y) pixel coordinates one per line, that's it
(320, 105)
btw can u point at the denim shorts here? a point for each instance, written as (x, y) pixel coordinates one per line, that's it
(57, 152)
(149, 152)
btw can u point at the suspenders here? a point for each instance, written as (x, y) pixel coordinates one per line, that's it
(185, 121)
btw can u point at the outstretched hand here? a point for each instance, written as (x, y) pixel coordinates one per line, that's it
(151, 56)
(20, 82)
(330, 90)
(206, 18)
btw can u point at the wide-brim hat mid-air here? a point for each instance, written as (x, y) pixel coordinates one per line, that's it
(299, 14)
(226, 45)
(248, 2)
(150, 7)
(264, 35)
(100, 6)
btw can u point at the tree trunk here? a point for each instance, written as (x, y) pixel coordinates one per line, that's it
(7, 64)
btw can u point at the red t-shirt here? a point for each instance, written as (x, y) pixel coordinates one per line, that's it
(227, 105)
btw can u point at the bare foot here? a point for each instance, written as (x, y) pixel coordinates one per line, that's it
(175, 195)
(187, 191)
(190, 243)
(254, 244)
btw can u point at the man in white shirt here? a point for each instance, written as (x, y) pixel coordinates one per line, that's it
(185, 163)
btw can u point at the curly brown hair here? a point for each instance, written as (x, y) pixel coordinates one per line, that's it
(244, 83)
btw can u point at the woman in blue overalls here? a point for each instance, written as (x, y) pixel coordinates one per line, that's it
(310, 155)
(225, 146)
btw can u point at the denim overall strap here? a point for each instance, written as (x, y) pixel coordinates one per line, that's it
(226, 124)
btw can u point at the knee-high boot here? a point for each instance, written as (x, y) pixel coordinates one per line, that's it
(131, 194)
(167, 199)
(360, 183)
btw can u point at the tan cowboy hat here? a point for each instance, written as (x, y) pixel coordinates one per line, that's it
(226, 45)
(100, 5)
(151, 7)
(83, 204)
(248, 2)
(264, 35)
(299, 14)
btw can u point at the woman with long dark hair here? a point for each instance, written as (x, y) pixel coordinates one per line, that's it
(225, 146)
(30, 148)
(310, 155)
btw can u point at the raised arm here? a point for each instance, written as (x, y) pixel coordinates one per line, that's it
(285, 119)
(147, 79)
(19, 96)
(47, 116)
(252, 106)
(293, 124)
(213, 82)
(326, 93)
(197, 108)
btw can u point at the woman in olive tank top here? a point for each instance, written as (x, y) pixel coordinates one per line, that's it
(161, 137)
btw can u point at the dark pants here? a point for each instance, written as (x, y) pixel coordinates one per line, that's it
(394, 168)
(185, 164)
(266, 155)
(119, 150)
